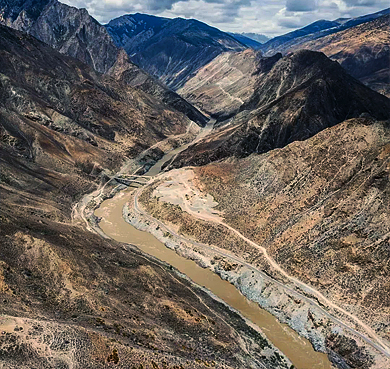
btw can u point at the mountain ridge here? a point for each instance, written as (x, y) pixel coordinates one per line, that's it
(362, 50)
(314, 31)
(74, 32)
(170, 49)
(300, 96)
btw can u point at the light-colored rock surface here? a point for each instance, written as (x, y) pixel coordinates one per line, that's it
(223, 85)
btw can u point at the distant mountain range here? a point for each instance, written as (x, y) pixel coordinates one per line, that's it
(248, 41)
(173, 50)
(256, 36)
(219, 88)
(362, 50)
(170, 49)
(314, 31)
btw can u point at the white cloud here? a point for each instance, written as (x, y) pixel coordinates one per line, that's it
(301, 5)
(262, 16)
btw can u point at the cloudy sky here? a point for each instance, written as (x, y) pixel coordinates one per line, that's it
(262, 16)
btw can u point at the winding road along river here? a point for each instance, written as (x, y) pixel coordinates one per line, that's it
(297, 349)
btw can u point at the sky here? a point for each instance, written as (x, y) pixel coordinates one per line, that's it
(268, 17)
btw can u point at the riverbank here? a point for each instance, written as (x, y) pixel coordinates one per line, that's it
(326, 332)
(299, 349)
(305, 319)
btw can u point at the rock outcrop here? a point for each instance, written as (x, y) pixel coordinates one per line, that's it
(69, 30)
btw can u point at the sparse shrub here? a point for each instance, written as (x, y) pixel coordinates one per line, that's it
(114, 357)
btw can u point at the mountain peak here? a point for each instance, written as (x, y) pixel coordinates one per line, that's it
(172, 50)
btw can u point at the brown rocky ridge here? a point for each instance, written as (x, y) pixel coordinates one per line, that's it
(316, 31)
(363, 51)
(302, 94)
(221, 87)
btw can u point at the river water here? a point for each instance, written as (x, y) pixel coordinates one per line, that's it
(296, 348)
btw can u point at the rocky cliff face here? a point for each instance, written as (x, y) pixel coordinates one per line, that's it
(74, 32)
(363, 51)
(301, 95)
(170, 49)
(70, 30)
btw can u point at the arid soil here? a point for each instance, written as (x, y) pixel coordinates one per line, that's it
(224, 84)
(318, 207)
(69, 298)
(328, 210)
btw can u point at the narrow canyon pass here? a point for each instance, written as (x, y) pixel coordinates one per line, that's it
(194, 187)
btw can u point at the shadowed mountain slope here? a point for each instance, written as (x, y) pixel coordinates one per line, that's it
(74, 32)
(301, 95)
(70, 30)
(363, 51)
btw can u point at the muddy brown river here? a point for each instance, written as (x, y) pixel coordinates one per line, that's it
(296, 348)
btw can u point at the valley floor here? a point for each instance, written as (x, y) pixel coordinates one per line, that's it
(174, 207)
